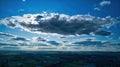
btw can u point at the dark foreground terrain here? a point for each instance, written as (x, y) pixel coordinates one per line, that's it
(58, 59)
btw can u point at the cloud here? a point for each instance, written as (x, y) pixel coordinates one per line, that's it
(53, 43)
(9, 48)
(19, 39)
(62, 37)
(38, 39)
(102, 33)
(7, 44)
(8, 22)
(6, 34)
(58, 23)
(113, 43)
(90, 42)
(97, 9)
(88, 45)
(41, 44)
(104, 3)
(11, 39)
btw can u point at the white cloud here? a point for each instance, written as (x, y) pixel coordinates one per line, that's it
(58, 23)
(104, 3)
(97, 9)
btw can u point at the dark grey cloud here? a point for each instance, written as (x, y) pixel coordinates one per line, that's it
(19, 39)
(10, 24)
(53, 42)
(58, 23)
(41, 44)
(62, 37)
(102, 33)
(38, 18)
(6, 44)
(24, 44)
(46, 48)
(6, 34)
(65, 41)
(10, 48)
(115, 44)
(38, 39)
(112, 43)
(90, 42)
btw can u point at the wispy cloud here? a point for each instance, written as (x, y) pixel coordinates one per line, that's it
(104, 3)
(97, 9)
(6, 34)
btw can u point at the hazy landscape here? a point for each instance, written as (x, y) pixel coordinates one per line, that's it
(58, 59)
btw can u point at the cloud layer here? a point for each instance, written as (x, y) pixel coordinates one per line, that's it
(58, 23)
(39, 43)
(6, 34)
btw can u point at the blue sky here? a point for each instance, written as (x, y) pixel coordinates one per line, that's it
(18, 7)
(58, 25)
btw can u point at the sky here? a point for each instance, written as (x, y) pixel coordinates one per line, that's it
(60, 25)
